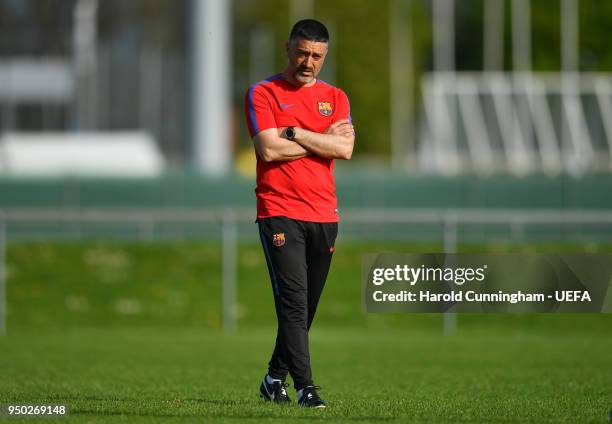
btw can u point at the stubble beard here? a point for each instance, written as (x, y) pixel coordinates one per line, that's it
(303, 79)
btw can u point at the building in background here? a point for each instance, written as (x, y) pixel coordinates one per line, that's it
(85, 65)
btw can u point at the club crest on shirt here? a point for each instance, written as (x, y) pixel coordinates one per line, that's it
(278, 239)
(325, 108)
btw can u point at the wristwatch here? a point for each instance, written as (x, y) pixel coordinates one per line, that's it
(290, 133)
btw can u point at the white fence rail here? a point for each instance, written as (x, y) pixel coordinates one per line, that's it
(147, 222)
(520, 122)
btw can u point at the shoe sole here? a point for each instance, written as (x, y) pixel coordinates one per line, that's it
(314, 407)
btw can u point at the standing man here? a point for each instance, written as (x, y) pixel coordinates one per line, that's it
(299, 125)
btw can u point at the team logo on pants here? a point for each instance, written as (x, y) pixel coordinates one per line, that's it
(325, 108)
(278, 239)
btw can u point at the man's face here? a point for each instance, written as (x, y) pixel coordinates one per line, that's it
(305, 60)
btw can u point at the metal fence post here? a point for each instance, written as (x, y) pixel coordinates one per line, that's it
(2, 274)
(449, 225)
(229, 272)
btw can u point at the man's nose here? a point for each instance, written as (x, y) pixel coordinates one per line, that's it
(308, 62)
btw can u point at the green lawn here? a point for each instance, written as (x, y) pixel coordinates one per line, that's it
(169, 375)
(125, 332)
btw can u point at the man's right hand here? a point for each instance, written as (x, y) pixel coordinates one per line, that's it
(343, 127)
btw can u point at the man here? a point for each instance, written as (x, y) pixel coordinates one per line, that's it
(299, 125)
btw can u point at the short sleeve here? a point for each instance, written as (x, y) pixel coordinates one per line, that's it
(259, 113)
(343, 108)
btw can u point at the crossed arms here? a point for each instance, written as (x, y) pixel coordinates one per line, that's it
(335, 143)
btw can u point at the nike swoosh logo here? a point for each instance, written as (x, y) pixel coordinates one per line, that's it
(268, 392)
(286, 106)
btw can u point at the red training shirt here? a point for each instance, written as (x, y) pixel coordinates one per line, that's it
(304, 188)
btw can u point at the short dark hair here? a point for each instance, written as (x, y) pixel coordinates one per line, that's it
(310, 30)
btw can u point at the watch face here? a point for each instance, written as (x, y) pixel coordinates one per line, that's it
(290, 133)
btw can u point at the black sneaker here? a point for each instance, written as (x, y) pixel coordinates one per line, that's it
(310, 398)
(274, 392)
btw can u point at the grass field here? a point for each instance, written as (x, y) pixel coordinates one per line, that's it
(130, 333)
(151, 375)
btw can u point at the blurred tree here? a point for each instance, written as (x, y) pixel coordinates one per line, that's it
(469, 27)
(362, 52)
(594, 28)
(546, 38)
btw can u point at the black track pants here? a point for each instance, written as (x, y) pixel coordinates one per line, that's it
(298, 254)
